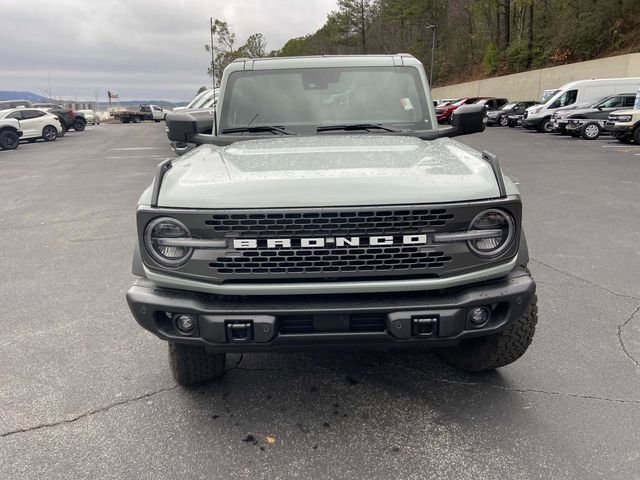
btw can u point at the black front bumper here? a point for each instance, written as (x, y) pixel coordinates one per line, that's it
(618, 129)
(372, 321)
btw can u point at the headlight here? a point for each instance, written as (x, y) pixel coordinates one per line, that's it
(534, 110)
(166, 229)
(622, 118)
(502, 230)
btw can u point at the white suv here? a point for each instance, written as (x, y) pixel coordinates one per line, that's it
(35, 123)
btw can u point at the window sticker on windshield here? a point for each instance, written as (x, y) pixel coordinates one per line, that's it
(406, 104)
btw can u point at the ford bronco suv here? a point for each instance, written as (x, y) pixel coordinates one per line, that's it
(327, 209)
(624, 125)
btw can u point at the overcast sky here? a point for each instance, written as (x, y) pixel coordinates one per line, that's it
(143, 49)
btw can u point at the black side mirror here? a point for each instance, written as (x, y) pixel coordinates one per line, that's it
(469, 119)
(181, 127)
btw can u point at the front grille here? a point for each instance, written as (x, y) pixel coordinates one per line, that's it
(331, 261)
(337, 222)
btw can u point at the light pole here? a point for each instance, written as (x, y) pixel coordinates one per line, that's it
(433, 53)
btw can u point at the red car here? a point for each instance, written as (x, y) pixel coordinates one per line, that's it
(443, 112)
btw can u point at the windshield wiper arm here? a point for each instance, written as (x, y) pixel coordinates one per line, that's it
(356, 126)
(259, 128)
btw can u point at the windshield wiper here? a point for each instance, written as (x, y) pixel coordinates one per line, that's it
(356, 126)
(259, 128)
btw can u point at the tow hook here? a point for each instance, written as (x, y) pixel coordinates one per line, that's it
(239, 331)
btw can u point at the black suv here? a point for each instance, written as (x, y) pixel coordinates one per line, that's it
(501, 116)
(68, 118)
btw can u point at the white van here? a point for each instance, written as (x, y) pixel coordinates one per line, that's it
(538, 117)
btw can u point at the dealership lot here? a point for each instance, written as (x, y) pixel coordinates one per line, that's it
(86, 393)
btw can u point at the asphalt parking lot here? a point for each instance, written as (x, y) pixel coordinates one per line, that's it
(86, 393)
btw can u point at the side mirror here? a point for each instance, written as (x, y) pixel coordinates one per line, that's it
(182, 127)
(469, 119)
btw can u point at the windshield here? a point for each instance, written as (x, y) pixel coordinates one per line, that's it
(547, 94)
(508, 106)
(303, 99)
(198, 98)
(567, 98)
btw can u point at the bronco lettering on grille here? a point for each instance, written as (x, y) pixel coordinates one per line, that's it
(323, 242)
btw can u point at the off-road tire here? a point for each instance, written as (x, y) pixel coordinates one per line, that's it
(193, 365)
(9, 140)
(497, 350)
(79, 125)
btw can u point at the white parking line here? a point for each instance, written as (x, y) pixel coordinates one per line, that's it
(137, 156)
(139, 148)
(615, 146)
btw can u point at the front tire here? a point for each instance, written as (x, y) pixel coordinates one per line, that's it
(49, 133)
(79, 125)
(590, 131)
(545, 126)
(136, 119)
(9, 140)
(497, 350)
(504, 121)
(193, 365)
(636, 135)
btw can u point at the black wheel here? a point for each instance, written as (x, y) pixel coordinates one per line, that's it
(79, 124)
(590, 131)
(636, 135)
(497, 350)
(9, 140)
(545, 125)
(136, 119)
(49, 133)
(194, 365)
(504, 121)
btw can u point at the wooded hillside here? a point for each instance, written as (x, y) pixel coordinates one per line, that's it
(478, 38)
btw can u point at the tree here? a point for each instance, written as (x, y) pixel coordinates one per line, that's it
(356, 16)
(224, 48)
(201, 89)
(255, 46)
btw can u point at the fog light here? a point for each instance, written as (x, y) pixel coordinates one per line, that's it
(185, 324)
(479, 316)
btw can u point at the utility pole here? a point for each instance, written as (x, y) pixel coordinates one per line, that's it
(433, 52)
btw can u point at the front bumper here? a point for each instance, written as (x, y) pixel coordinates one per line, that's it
(372, 321)
(531, 122)
(618, 129)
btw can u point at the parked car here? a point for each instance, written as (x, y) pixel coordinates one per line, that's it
(492, 104)
(68, 118)
(581, 91)
(443, 112)
(35, 123)
(10, 133)
(501, 116)
(91, 116)
(445, 101)
(598, 110)
(283, 232)
(7, 104)
(624, 125)
(195, 102)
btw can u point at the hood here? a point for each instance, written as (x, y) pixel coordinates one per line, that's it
(327, 170)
